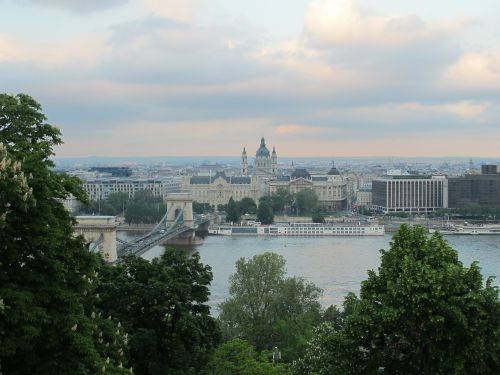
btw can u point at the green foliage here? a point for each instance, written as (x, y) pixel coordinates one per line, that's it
(306, 201)
(338, 318)
(238, 357)
(280, 200)
(46, 274)
(399, 214)
(423, 313)
(267, 308)
(201, 208)
(248, 206)
(115, 205)
(144, 208)
(362, 210)
(233, 211)
(265, 212)
(317, 215)
(162, 304)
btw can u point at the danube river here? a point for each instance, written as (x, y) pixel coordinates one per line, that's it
(335, 264)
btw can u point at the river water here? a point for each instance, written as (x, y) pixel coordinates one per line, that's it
(335, 264)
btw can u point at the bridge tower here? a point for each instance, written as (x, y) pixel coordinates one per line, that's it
(177, 202)
(100, 230)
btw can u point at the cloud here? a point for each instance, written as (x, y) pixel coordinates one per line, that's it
(183, 10)
(79, 6)
(296, 129)
(345, 22)
(163, 83)
(156, 50)
(78, 52)
(476, 71)
(177, 138)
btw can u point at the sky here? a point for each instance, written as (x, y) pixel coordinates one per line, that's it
(318, 78)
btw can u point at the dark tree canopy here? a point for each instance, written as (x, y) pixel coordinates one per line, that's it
(306, 201)
(144, 208)
(317, 215)
(248, 206)
(47, 276)
(280, 200)
(162, 304)
(265, 212)
(239, 357)
(233, 211)
(423, 313)
(269, 309)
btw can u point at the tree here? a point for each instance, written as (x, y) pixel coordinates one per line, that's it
(162, 304)
(267, 308)
(280, 200)
(265, 213)
(248, 206)
(306, 201)
(201, 208)
(423, 313)
(116, 204)
(47, 276)
(239, 357)
(145, 208)
(233, 211)
(317, 215)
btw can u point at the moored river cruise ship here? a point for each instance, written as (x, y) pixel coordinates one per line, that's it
(469, 229)
(299, 229)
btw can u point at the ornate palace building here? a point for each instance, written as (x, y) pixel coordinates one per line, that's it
(218, 189)
(331, 188)
(264, 179)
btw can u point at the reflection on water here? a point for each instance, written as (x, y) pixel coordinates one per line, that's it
(335, 264)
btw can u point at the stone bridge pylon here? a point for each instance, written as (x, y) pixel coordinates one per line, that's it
(180, 202)
(100, 233)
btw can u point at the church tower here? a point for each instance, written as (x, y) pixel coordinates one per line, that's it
(244, 162)
(274, 162)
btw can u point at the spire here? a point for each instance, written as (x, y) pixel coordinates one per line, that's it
(274, 150)
(262, 142)
(244, 151)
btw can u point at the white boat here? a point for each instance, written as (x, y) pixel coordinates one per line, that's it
(299, 229)
(469, 229)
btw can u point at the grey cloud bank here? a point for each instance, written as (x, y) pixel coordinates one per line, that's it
(352, 75)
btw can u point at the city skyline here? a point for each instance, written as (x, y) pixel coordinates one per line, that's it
(318, 78)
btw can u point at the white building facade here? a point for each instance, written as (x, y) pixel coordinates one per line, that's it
(101, 188)
(409, 193)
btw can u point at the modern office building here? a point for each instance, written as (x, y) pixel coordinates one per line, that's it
(101, 188)
(481, 189)
(409, 193)
(114, 171)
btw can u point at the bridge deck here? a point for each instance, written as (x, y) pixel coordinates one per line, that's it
(154, 238)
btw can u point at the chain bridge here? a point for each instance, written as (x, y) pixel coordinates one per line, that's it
(178, 223)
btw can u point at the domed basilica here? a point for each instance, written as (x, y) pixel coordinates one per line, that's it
(265, 165)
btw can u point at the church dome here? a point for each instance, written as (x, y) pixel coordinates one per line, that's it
(333, 172)
(301, 172)
(262, 151)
